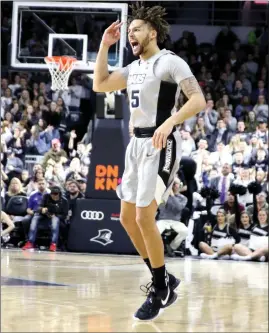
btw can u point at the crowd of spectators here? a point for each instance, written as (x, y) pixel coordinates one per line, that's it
(228, 140)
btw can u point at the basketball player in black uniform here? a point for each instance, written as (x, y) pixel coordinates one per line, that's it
(152, 157)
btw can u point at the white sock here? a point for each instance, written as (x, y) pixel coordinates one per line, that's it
(209, 256)
(246, 258)
(225, 257)
(213, 256)
(262, 259)
(241, 258)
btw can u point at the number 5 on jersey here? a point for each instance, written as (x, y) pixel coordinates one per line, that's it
(135, 99)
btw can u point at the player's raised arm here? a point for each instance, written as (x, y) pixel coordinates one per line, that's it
(102, 80)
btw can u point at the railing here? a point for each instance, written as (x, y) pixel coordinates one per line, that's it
(237, 13)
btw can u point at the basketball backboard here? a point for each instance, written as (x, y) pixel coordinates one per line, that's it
(64, 28)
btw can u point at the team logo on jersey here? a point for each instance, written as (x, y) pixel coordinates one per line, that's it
(168, 156)
(136, 78)
(103, 237)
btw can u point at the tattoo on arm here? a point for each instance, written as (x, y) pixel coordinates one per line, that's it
(190, 86)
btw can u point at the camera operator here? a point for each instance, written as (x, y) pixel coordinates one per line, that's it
(53, 209)
(170, 216)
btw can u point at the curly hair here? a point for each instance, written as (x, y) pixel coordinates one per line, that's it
(152, 15)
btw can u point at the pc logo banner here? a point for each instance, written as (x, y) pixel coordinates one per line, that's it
(95, 228)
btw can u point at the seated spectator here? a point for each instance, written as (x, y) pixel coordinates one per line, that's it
(262, 131)
(223, 237)
(16, 84)
(257, 248)
(14, 165)
(251, 64)
(14, 189)
(222, 183)
(55, 175)
(220, 134)
(245, 81)
(261, 179)
(210, 112)
(5, 219)
(6, 100)
(199, 131)
(238, 93)
(260, 162)
(17, 144)
(243, 108)
(24, 98)
(36, 144)
(33, 183)
(25, 179)
(261, 204)
(55, 154)
(34, 202)
(73, 172)
(260, 91)
(6, 134)
(83, 152)
(205, 168)
(230, 121)
(53, 209)
(245, 150)
(221, 156)
(9, 119)
(82, 183)
(202, 151)
(169, 218)
(244, 178)
(231, 208)
(15, 111)
(72, 195)
(188, 144)
(241, 131)
(224, 102)
(238, 163)
(261, 109)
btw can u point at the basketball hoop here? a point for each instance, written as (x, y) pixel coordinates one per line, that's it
(60, 69)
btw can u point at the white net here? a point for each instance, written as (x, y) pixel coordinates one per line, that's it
(60, 69)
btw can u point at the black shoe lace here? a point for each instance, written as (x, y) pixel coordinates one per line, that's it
(150, 292)
(146, 288)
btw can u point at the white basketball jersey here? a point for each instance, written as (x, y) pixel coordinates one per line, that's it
(151, 99)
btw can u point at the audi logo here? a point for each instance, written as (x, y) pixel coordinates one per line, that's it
(91, 215)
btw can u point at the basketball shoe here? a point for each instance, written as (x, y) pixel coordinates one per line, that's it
(156, 301)
(154, 304)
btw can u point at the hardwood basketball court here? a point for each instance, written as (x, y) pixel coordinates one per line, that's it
(59, 292)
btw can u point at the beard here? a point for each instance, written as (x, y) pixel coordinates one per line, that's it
(141, 48)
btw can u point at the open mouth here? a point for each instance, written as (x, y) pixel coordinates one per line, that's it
(135, 45)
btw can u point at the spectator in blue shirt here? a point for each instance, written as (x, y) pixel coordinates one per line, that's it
(34, 202)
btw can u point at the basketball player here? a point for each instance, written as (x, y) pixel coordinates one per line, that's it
(153, 83)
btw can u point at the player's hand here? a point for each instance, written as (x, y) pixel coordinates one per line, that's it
(161, 134)
(112, 34)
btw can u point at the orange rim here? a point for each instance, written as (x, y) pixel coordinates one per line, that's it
(64, 61)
